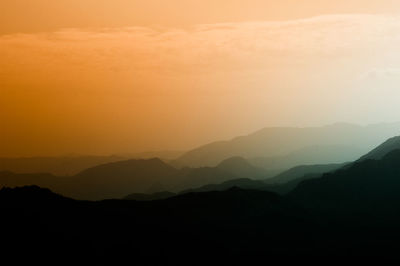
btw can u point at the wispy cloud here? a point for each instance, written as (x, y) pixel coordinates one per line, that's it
(138, 48)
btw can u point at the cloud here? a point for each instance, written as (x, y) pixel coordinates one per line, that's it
(142, 55)
(206, 44)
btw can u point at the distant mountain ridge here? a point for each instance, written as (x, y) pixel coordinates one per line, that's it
(117, 179)
(299, 171)
(70, 165)
(288, 180)
(240, 167)
(347, 141)
(242, 183)
(148, 176)
(62, 166)
(121, 178)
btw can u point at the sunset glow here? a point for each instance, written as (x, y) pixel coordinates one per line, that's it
(104, 77)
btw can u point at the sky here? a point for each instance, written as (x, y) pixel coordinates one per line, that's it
(126, 76)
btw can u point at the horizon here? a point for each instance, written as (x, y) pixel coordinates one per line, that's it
(146, 153)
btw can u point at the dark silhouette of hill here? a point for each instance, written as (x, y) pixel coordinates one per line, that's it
(149, 197)
(111, 180)
(232, 226)
(28, 196)
(350, 213)
(328, 144)
(246, 183)
(9, 179)
(281, 184)
(383, 149)
(300, 171)
(243, 183)
(234, 203)
(61, 166)
(213, 227)
(142, 180)
(365, 187)
(118, 179)
(240, 167)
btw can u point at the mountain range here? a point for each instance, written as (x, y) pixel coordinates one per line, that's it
(351, 211)
(72, 164)
(209, 226)
(288, 180)
(62, 166)
(148, 176)
(118, 179)
(286, 147)
(282, 183)
(368, 186)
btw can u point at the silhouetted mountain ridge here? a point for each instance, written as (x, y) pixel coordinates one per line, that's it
(118, 179)
(371, 186)
(242, 183)
(383, 149)
(300, 171)
(241, 168)
(29, 195)
(149, 197)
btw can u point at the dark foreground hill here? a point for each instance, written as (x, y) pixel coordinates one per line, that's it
(244, 183)
(369, 187)
(300, 171)
(236, 226)
(282, 183)
(149, 197)
(351, 214)
(188, 229)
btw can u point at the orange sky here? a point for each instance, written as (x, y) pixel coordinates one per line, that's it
(101, 77)
(48, 15)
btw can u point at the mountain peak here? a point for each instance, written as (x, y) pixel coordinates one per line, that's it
(240, 167)
(129, 164)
